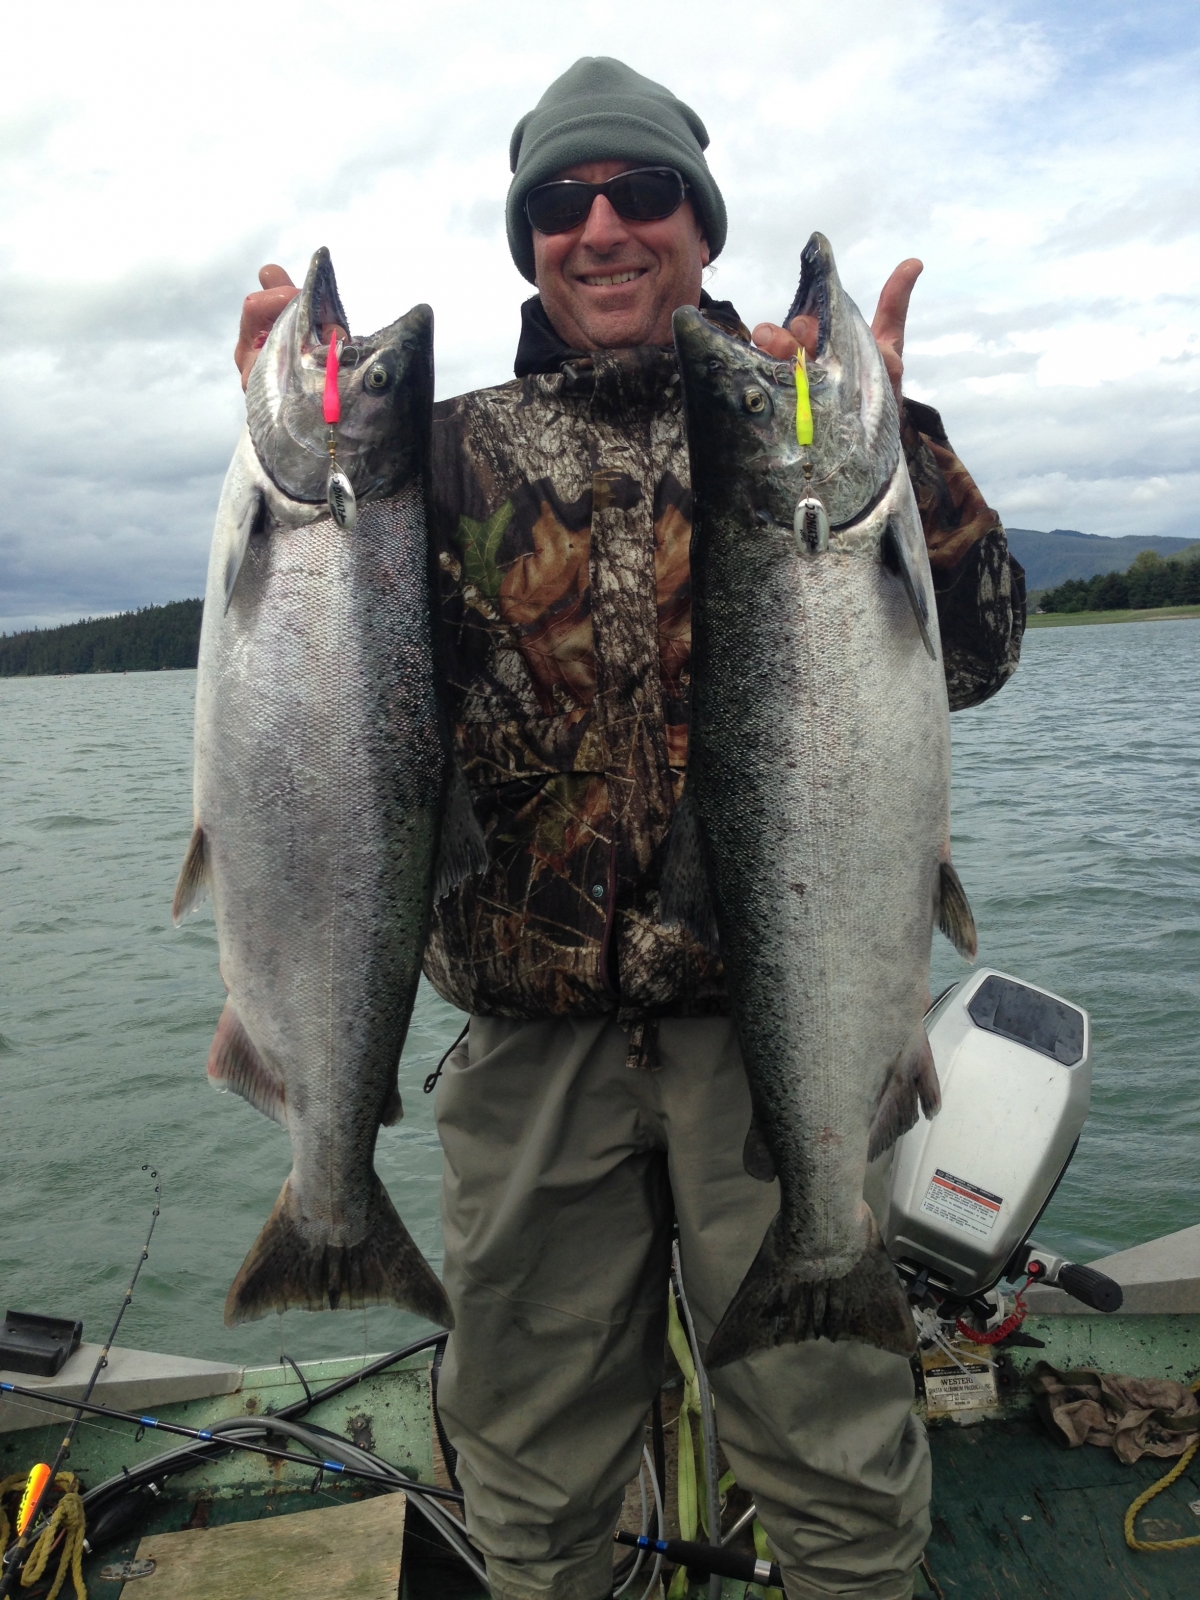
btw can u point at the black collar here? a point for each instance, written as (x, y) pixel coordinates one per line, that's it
(541, 349)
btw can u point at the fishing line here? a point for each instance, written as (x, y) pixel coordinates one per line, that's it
(16, 1557)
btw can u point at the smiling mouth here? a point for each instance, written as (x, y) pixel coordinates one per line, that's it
(604, 280)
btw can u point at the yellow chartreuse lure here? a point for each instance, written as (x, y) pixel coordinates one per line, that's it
(38, 1479)
(804, 422)
(812, 520)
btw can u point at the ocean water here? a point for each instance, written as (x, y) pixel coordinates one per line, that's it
(1077, 835)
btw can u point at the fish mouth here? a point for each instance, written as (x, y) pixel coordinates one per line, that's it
(812, 298)
(320, 306)
(385, 383)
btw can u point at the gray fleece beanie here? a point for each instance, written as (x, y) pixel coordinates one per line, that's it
(601, 110)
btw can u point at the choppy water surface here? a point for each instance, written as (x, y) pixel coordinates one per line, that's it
(1077, 834)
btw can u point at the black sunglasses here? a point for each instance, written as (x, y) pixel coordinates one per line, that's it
(647, 194)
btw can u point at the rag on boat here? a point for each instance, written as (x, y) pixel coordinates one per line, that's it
(1133, 1416)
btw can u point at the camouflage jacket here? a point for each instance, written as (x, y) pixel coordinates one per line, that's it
(561, 515)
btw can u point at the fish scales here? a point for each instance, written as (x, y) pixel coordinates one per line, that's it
(814, 829)
(323, 795)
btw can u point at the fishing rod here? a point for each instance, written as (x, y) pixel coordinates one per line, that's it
(209, 1436)
(16, 1557)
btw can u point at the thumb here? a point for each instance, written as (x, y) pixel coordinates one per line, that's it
(892, 310)
(273, 276)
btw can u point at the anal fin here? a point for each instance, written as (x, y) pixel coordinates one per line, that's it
(463, 849)
(234, 1063)
(685, 895)
(954, 912)
(912, 1087)
(192, 884)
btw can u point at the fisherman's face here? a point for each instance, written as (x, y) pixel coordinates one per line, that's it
(658, 266)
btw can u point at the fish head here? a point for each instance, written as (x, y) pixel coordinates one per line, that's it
(741, 406)
(741, 420)
(385, 385)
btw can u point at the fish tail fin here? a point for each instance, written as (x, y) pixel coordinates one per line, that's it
(294, 1264)
(954, 912)
(912, 1087)
(685, 897)
(774, 1306)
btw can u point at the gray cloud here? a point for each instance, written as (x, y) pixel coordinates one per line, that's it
(1044, 173)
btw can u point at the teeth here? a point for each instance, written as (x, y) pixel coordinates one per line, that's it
(616, 277)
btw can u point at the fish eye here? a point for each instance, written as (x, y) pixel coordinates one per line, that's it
(754, 400)
(378, 377)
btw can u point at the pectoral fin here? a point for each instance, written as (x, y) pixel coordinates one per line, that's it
(463, 849)
(896, 560)
(248, 514)
(685, 896)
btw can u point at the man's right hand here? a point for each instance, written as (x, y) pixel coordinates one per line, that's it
(259, 312)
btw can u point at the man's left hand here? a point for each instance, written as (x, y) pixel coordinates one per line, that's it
(888, 327)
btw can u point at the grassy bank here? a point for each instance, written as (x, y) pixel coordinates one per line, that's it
(1069, 619)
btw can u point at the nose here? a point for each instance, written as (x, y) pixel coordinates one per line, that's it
(604, 229)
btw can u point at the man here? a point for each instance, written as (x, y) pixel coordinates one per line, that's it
(601, 1096)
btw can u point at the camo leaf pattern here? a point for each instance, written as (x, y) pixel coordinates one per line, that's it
(561, 511)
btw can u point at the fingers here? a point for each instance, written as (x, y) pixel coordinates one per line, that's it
(891, 314)
(273, 276)
(259, 313)
(892, 311)
(782, 343)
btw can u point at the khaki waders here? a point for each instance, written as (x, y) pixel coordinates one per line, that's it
(564, 1172)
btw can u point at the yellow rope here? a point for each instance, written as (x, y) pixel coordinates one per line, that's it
(1144, 1499)
(67, 1518)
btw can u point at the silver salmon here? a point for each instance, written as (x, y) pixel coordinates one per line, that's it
(321, 781)
(813, 837)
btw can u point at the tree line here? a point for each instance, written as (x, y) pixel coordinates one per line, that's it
(148, 640)
(1148, 584)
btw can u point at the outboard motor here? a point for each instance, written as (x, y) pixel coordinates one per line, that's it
(965, 1190)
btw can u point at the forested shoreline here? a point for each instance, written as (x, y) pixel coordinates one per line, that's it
(152, 639)
(159, 638)
(1147, 585)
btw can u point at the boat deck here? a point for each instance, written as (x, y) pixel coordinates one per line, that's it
(1016, 1517)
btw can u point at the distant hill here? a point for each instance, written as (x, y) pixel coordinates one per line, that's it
(1051, 558)
(148, 640)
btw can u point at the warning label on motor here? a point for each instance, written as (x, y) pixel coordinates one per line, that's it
(965, 1384)
(961, 1203)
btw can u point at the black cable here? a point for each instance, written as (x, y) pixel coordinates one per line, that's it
(308, 1394)
(432, 1080)
(449, 1453)
(298, 1408)
(182, 1460)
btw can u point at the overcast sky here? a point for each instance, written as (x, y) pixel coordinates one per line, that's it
(1040, 158)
